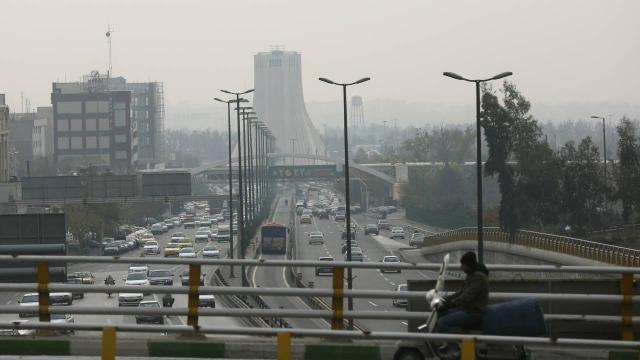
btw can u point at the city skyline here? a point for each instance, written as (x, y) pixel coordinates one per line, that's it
(403, 49)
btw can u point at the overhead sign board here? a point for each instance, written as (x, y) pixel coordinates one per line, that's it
(304, 172)
(51, 187)
(166, 184)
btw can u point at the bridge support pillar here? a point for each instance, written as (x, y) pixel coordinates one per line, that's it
(626, 286)
(284, 346)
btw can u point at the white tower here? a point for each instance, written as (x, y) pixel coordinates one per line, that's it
(279, 103)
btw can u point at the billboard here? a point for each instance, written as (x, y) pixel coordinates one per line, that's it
(105, 186)
(304, 172)
(166, 184)
(51, 187)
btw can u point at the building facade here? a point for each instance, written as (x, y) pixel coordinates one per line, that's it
(4, 140)
(92, 127)
(279, 103)
(20, 145)
(42, 133)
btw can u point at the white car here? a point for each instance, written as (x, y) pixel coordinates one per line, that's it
(316, 237)
(211, 251)
(137, 278)
(402, 302)
(130, 299)
(207, 301)
(138, 268)
(187, 253)
(397, 233)
(390, 260)
(62, 319)
(31, 299)
(151, 247)
(203, 236)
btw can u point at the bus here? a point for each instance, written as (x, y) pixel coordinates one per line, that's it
(274, 239)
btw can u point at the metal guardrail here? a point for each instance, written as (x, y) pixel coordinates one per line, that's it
(335, 312)
(605, 253)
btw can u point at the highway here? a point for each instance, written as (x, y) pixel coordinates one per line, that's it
(119, 271)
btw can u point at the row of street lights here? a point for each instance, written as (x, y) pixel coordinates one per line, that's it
(253, 145)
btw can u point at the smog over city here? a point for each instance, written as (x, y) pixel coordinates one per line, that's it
(404, 172)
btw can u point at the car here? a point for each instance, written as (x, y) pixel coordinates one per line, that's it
(160, 277)
(390, 260)
(344, 233)
(356, 255)
(323, 214)
(136, 278)
(397, 233)
(417, 239)
(169, 224)
(146, 237)
(211, 251)
(185, 278)
(371, 229)
(384, 224)
(339, 217)
(224, 234)
(75, 294)
(151, 248)
(203, 236)
(62, 319)
(321, 270)
(316, 237)
(138, 268)
(149, 318)
(86, 277)
(171, 250)
(156, 229)
(207, 301)
(32, 299)
(184, 243)
(305, 219)
(111, 250)
(354, 244)
(189, 225)
(187, 252)
(176, 222)
(400, 302)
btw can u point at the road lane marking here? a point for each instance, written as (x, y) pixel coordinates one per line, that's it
(392, 283)
(372, 303)
(404, 323)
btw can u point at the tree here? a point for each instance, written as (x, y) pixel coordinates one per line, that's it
(628, 169)
(582, 187)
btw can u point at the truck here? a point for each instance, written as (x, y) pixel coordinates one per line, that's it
(224, 233)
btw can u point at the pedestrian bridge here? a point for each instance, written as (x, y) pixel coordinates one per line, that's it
(606, 304)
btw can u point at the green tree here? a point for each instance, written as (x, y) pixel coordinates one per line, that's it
(628, 168)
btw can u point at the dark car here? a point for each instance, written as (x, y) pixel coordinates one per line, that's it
(185, 278)
(371, 229)
(323, 214)
(153, 319)
(160, 277)
(76, 294)
(353, 233)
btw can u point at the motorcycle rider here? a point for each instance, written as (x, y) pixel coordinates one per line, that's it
(109, 281)
(167, 300)
(465, 308)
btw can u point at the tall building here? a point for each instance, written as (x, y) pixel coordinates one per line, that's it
(279, 102)
(42, 133)
(20, 143)
(92, 127)
(4, 139)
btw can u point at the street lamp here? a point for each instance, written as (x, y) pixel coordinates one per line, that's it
(245, 166)
(240, 100)
(240, 195)
(604, 155)
(478, 152)
(293, 151)
(346, 185)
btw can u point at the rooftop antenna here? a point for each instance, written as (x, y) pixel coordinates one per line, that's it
(108, 34)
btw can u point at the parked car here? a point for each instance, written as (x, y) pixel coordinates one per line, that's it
(160, 277)
(390, 260)
(320, 270)
(151, 318)
(316, 237)
(417, 239)
(401, 302)
(371, 229)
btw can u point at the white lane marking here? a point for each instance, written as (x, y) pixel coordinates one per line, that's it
(404, 322)
(392, 283)
(372, 303)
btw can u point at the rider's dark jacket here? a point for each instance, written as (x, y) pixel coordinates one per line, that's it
(474, 295)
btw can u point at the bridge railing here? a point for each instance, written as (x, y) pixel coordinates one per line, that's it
(335, 314)
(611, 254)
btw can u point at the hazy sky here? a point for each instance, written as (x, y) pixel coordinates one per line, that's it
(559, 50)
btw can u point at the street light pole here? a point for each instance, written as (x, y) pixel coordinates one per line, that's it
(293, 151)
(240, 194)
(478, 154)
(346, 186)
(230, 205)
(604, 155)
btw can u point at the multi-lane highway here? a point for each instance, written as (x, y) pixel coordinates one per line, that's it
(119, 271)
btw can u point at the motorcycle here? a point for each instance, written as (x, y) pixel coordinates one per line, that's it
(498, 320)
(109, 281)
